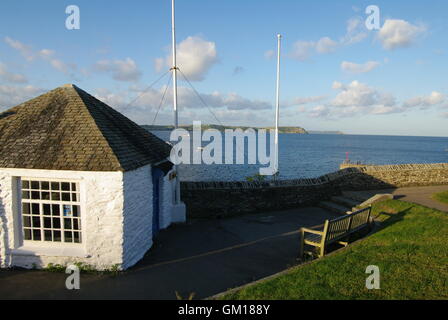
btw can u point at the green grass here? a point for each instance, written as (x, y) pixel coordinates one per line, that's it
(410, 249)
(441, 197)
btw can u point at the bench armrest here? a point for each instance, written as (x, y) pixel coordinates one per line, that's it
(312, 231)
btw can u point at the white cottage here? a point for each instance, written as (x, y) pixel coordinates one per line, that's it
(80, 182)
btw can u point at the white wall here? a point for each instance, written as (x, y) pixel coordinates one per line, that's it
(116, 219)
(102, 222)
(138, 209)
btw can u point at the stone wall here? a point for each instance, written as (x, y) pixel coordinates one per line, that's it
(218, 199)
(138, 211)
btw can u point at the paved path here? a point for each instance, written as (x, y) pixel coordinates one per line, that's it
(419, 195)
(204, 256)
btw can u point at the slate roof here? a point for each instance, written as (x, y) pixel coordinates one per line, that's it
(68, 129)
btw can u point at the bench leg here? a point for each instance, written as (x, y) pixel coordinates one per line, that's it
(322, 251)
(302, 240)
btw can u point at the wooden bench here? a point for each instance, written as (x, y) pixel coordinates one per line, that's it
(335, 231)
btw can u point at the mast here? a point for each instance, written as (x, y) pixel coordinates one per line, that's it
(277, 103)
(174, 69)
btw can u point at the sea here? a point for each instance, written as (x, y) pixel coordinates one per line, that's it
(312, 155)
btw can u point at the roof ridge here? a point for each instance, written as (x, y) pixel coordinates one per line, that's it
(75, 90)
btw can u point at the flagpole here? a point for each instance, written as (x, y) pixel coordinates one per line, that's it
(277, 103)
(174, 69)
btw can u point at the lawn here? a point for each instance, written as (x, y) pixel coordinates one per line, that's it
(441, 197)
(410, 249)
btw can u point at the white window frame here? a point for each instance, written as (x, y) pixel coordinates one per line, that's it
(61, 203)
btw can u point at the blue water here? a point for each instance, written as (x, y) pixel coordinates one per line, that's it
(308, 156)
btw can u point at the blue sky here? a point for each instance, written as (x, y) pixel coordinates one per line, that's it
(336, 74)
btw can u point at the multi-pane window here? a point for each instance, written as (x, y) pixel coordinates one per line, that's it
(51, 211)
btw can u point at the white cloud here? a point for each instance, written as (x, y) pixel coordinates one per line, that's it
(326, 45)
(302, 50)
(44, 54)
(306, 100)
(356, 31)
(195, 57)
(11, 96)
(226, 106)
(357, 94)
(399, 34)
(11, 77)
(24, 49)
(435, 98)
(355, 68)
(319, 112)
(121, 70)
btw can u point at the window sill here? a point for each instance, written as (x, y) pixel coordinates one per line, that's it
(48, 251)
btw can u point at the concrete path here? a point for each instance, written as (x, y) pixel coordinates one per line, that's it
(204, 256)
(419, 195)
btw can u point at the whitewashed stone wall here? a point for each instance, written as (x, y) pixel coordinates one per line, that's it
(102, 222)
(138, 210)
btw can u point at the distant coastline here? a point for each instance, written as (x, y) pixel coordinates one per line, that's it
(292, 130)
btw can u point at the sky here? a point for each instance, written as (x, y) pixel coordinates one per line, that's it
(336, 73)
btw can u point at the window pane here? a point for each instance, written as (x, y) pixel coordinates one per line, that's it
(68, 236)
(55, 196)
(27, 221)
(76, 211)
(57, 236)
(36, 235)
(45, 195)
(47, 209)
(65, 186)
(47, 223)
(47, 234)
(65, 196)
(27, 234)
(74, 197)
(25, 194)
(56, 210)
(68, 224)
(36, 222)
(56, 223)
(26, 208)
(67, 210)
(25, 184)
(77, 237)
(35, 185)
(55, 186)
(73, 186)
(76, 224)
(35, 195)
(45, 185)
(35, 208)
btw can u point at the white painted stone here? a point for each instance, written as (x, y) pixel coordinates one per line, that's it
(116, 215)
(101, 215)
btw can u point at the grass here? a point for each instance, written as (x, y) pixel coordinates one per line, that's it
(441, 197)
(410, 249)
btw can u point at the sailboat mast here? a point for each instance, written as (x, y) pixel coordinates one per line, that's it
(176, 118)
(277, 103)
